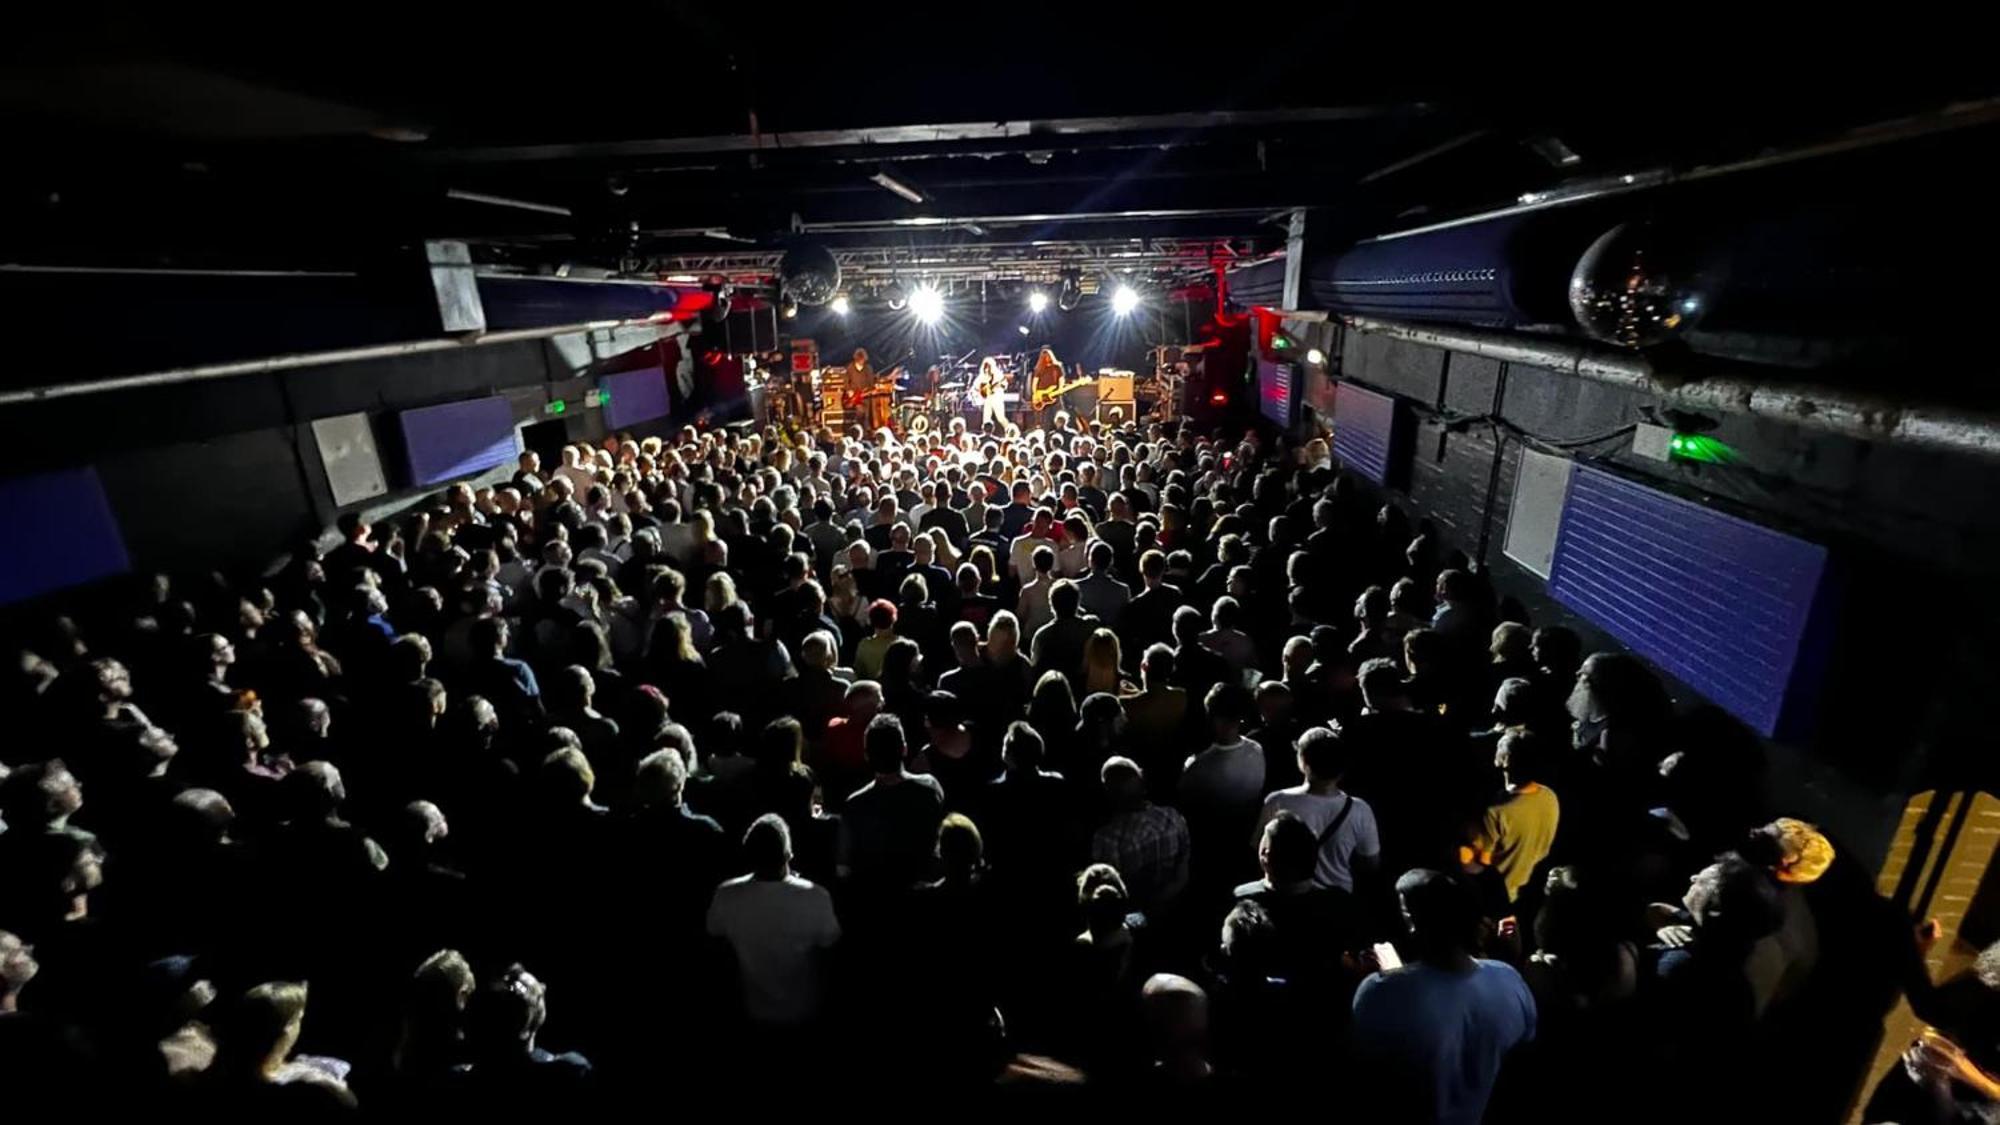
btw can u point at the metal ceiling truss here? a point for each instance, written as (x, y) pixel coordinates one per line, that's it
(1041, 261)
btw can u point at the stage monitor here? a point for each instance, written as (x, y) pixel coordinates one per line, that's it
(63, 534)
(635, 397)
(457, 439)
(1274, 390)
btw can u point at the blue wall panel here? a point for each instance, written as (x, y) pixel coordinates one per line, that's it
(636, 396)
(1364, 431)
(538, 302)
(61, 533)
(457, 439)
(1275, 383)
(1719, 602)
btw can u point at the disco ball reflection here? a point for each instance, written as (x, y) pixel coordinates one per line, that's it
(1631, 289)
(809, 272)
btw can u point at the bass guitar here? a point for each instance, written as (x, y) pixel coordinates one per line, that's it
(882, 386)
(1043, 396)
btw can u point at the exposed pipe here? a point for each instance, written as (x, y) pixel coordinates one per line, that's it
(504, 201)
(951, 132)
(1959, 116)
(1732, 389)
(160, 271)
(298, 360)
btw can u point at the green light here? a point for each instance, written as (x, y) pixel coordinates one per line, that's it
(1701, 447)
(1281, 343)
(558, 406)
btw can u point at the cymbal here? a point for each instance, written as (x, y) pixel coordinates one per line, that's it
(954, 386)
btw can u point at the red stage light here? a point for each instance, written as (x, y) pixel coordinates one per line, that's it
(1219, 398)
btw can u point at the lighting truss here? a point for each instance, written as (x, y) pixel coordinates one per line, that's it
(1041, 261)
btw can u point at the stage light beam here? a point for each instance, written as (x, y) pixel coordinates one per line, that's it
(1038, 302)
(1124, 300)
(840, 305)
(928, 305)
(1315, 357)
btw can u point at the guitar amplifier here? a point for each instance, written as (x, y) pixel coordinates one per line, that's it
(1114, 386)
(833, 397)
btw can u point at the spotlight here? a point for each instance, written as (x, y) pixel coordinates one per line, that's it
(897, 296)
(1038, 302)
(840, 305)
(1315, 357)
(1024, 330)
(791, 309)
(1124, 300)
(928, 304)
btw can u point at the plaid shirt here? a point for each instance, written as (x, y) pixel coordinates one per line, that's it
(1149, 847)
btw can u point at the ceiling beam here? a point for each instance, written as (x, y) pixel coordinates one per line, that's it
(1053, 130)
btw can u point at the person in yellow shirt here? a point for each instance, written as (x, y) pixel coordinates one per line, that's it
(1516, 833)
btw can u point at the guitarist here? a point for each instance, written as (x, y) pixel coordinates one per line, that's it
(991, 387)
(1048, 375)
(869, 391)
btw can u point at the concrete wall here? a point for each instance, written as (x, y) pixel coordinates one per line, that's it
(1914, 534)
(226, 474)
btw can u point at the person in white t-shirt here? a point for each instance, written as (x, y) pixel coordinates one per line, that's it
(1221, 790)
(1229, 774)
(780, 927)
(1040, 532)
(1342, 822)
(580, 475)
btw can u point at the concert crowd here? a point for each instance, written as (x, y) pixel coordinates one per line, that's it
(1103, 763)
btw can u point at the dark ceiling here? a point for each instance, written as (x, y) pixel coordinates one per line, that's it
(674, 135)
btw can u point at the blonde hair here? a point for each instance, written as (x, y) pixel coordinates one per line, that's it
(263, 1023)
(679, 637)
(719, 592)
(1102, 656)
(1804, 851)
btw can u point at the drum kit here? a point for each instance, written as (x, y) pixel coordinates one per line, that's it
(956, 394)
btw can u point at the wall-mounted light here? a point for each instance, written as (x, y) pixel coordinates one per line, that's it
(890, 183)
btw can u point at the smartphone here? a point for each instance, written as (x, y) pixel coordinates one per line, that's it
(1385, 955)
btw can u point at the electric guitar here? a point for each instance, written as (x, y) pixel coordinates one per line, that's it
(880, 382)
(1046, 395)
(883, 384)
(990, 384)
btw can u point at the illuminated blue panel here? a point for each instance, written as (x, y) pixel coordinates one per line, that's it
(1721, 603)
(636, 396)
(60, 533)
(457, 439)
(1364, 430)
